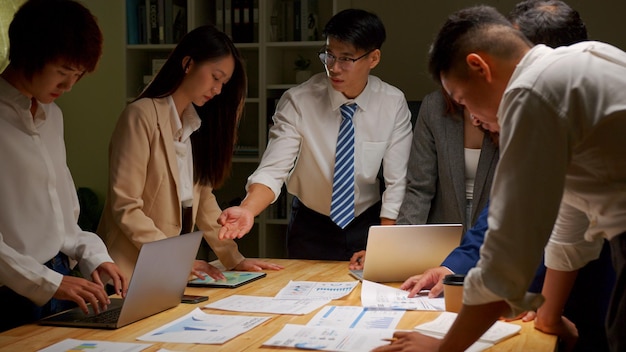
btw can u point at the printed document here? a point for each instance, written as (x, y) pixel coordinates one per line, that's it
(199, 327)
(375, 295)
(257, 304)
(329, 339)
(316, 290)
(499, 331)
(353, 317)
(95, 346)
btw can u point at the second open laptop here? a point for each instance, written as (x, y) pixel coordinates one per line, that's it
(395, 253)
(157, 284)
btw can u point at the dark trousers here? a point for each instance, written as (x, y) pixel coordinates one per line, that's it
(588, 302)
(616, 319)
(18, 310)
(312, 235)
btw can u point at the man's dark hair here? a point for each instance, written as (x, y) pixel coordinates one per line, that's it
(474, 29)
(43, 31)
(364, 30)
(549, 22)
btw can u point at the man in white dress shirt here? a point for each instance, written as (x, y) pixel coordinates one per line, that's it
(561, 179)
(53, 43)
(302, 145)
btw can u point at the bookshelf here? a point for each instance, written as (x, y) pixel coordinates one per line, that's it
(269, 35)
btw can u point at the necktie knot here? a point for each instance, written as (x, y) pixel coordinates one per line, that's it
(347, 111)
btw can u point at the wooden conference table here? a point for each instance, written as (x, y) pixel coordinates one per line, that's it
(34, 337)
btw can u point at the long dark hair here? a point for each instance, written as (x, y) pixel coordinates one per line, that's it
(214, 142)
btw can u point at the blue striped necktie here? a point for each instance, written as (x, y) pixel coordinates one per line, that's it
(342, 204)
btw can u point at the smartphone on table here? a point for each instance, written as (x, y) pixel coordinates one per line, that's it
(191, 299)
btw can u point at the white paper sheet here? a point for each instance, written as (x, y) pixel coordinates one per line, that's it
(356, 317)
(240, 303)
(316, 290)
(496, 333)
(95, 346)
(374, 295)
(199, 327)
(329, 339)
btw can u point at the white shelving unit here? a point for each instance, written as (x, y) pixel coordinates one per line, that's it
(270, 70)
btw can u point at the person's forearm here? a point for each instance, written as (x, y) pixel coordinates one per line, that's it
(556, 288)
(258, 198)
(387, 221)
(470, 324)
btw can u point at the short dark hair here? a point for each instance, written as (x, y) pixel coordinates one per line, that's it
(474, 29)
(364, 30)
(43, 31)
(213, 144)
(549, 22)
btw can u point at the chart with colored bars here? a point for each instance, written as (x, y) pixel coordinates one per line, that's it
(316, 290)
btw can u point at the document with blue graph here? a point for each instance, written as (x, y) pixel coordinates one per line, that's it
(316, 290)
(375, 295)
(354, 317)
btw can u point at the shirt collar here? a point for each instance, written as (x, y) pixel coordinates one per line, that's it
(183, 127)
(337, 99)
(11, 94)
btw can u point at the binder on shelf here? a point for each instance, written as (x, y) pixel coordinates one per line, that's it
(219, 15)
(275, 21)
(236, 20)
(152, 9)
(179, 24)
(255, 21)
(288, 21)
(132, 22)
(168, 18)
(310, 20)
(228, 18)
(142, 25)
(247, 26)
(161, 20)
(297, 20)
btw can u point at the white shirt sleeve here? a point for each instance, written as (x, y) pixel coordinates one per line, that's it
(525, 198)
(568, 249)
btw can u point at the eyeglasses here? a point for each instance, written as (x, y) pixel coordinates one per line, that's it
(345, 63)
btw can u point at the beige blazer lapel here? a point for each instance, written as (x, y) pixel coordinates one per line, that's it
(162, 110)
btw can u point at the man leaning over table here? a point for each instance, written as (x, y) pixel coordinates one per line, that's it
(561, 179)
(335, 202)
(554, 23)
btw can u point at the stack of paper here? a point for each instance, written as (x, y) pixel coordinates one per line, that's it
(498, 332)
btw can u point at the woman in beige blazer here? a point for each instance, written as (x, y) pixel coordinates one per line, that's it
(170, 147)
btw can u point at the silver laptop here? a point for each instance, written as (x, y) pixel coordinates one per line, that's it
(395, 253)
(158, 283)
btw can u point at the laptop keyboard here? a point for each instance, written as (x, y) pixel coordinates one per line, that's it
(108, 316)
